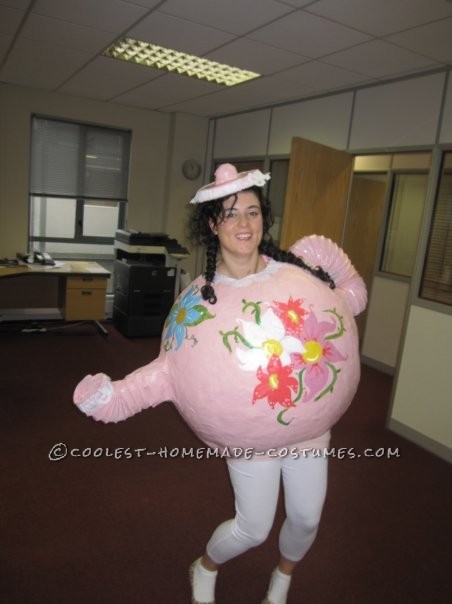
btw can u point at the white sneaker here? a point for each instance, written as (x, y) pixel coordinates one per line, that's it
(198, 574)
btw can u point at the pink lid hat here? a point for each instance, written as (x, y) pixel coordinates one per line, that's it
(229, 181)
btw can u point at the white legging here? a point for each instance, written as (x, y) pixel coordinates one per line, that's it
(256, 488)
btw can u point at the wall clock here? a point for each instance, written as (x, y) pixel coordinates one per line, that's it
(191, 169)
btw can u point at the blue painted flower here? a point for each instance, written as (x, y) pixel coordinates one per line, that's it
(186, 312)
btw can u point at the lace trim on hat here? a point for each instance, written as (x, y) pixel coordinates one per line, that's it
(244, 181)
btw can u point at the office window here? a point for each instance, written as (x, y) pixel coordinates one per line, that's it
(78, 187)
(436, 281)
(404, 223)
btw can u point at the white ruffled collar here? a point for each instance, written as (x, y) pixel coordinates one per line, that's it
(272, 267)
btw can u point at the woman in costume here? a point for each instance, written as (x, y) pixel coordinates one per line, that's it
(277, 331)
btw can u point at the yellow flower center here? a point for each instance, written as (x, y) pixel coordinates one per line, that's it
(180, 318)
(273, 381)
(313, 352)
(272, 347)
(293, 316)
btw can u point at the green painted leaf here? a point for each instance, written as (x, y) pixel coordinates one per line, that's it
(341, 329)
(280, 418)
(256, 309)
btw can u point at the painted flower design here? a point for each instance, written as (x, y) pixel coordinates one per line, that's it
(318, 357)
(290, 350)
(276, 384)
(186, 312)
(264, 340)
(292, 314)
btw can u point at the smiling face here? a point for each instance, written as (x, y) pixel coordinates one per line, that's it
(240, 230)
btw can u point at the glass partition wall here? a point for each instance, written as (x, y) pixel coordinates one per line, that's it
(436, 282)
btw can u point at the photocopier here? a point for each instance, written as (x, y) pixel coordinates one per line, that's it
(146, 281)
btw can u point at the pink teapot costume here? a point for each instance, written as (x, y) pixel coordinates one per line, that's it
(273, 363)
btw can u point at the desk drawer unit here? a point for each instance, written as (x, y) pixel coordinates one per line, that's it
(85, 298)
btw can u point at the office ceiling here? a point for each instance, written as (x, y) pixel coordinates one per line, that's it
(302, 48)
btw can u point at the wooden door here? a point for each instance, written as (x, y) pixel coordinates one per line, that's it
(317, 192)
(364, 220)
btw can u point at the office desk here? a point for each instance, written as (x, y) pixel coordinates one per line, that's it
(77, 289)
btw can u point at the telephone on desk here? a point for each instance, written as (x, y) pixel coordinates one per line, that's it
(37, 258)
(43, 258)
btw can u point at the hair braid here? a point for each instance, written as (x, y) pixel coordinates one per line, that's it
(207, 290)
(268, 248)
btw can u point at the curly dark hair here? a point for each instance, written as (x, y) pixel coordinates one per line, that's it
(200, 233)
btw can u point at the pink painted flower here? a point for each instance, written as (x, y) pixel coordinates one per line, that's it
(276, 384)
(318, 358)
(292, 314)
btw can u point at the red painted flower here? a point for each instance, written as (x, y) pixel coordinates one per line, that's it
(291, 314)
(277, 384)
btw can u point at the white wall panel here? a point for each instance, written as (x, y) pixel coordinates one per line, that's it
(446, 126)
(324, 120)
(189, 136)
(423, 390)
(242, 135)
(385, 315)
(400, 114)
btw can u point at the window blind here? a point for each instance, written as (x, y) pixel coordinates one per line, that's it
(437, 274)
(78, 160)
(438, 266)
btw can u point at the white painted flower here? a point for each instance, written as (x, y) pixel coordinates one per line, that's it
(267, 339)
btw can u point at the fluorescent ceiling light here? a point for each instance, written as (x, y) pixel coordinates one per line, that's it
(150, 55)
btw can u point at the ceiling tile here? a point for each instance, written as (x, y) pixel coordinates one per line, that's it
(379, 59)
(178, 34)
(168, 89)
(109, 15)
(105, 78)
(236, 16)
(297, 3)
(63, 33)
(381, 17)
(50, 66)
(302, 47)
(255, 56)
(316, 77)
(308, 35)
(5, 42)
(10, 19)
(434, 40)
(145, 3)
(261, 92)
(205, 106)
(19, 4)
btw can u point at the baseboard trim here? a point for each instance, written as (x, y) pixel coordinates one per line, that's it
(377, 365)
(421, 440)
